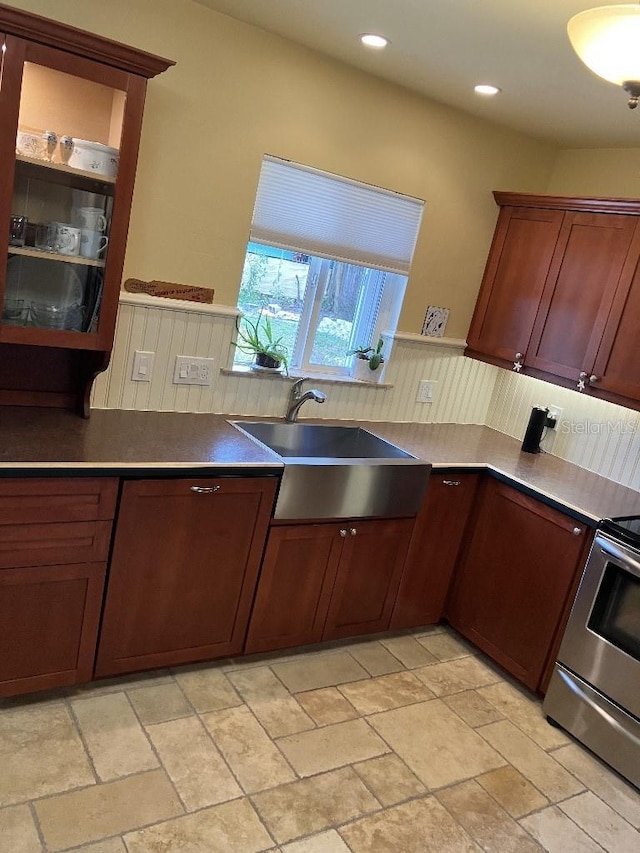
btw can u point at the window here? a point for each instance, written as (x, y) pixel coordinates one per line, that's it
(327, 262)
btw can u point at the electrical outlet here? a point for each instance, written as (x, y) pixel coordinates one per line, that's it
(190, 370)
(426, 391)
(555, 412)
(142, 366)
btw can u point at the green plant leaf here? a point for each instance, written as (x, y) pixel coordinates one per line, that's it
(258, 338)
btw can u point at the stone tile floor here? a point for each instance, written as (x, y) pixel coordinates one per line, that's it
(405, 744)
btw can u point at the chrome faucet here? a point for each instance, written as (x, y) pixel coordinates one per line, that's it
(297, 398)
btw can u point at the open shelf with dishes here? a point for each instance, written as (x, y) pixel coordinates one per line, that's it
(71, 107)
(27, 251)
(63, 169)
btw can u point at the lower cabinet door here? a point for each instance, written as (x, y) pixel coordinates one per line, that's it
(183, 572)
(435, 545)
(298, 572)
(512, 584)
(48, 625)
(371, 563)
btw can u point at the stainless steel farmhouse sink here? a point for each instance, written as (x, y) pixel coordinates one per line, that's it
(339, 471)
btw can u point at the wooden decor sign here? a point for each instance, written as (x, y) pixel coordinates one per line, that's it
(169, 290)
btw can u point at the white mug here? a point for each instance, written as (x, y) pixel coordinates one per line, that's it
(67, 239)
(92, 243)
(92, 218)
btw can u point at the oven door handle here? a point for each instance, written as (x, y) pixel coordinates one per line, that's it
(620, 554)
(571, 684)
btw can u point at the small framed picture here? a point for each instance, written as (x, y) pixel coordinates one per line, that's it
(435, 321)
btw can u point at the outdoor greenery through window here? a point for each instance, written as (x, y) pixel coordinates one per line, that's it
(320, 308)
(325, 264)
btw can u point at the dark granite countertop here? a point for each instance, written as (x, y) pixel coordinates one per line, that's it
(118, 441)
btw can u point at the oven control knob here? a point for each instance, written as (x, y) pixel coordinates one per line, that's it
(577, 531)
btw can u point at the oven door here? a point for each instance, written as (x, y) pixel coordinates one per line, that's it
(602, 640)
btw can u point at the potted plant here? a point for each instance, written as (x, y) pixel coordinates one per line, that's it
(367, 362)
(258, 338)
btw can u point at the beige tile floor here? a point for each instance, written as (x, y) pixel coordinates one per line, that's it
(407, 744)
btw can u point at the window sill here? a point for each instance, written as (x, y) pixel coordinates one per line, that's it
(325, 378)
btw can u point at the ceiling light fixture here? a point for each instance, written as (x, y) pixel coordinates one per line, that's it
(372, 40)
(606, 39)
(486, 89)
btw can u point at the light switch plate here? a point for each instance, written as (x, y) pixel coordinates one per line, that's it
(426, 391)
(191, 370)
(142, 366)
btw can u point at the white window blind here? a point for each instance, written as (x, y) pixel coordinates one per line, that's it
(306, 210)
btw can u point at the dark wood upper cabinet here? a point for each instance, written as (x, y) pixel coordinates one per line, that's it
(617, 366)
(562, 288)
(58, 290)
(513, 282)
(586, 268)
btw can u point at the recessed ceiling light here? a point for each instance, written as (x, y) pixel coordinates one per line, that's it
(485, 89)
(372, 40)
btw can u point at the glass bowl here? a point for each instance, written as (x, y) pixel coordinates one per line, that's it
(54, 316)
(12, 310)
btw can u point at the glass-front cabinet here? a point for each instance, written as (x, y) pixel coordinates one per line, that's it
(67, 153)
(70, 123)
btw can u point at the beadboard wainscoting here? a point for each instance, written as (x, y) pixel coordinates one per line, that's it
(600, 436)
(592, 433)
(171, 327)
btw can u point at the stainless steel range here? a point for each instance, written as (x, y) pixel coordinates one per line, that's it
(594, 692)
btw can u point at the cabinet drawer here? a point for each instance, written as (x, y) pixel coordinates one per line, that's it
(40, 500)
(48, 544)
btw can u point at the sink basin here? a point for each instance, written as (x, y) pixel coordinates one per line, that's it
(321, 441)
(339, 471)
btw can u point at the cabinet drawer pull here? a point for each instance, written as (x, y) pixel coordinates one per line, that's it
(451, 482)
(353, 531)
(343, 533)
(577, 531)
(204, 490)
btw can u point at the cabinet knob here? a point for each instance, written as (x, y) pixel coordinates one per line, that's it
(451, 482)
(343, 533)
(577, 531)
(353, 531)
(204, 490)
(584, 380)
(517, 364)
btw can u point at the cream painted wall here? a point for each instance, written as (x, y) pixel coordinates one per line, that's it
(238, 92)
(611, 172)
